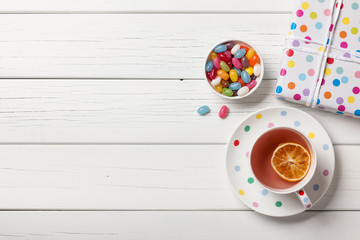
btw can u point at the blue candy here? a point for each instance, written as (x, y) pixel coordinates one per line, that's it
(245, 76)
(235, 86)
(209, 66)
(203, 110)
(238, 71)
(240, 53)
(220, 48)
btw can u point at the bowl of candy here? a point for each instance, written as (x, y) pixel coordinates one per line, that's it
(234, 69)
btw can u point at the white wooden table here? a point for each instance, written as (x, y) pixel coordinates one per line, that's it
(99, 135)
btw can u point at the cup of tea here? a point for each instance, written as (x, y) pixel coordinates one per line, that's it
(263, 157)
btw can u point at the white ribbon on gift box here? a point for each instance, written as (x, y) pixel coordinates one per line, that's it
(320, 69)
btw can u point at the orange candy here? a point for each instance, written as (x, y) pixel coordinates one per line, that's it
(224, 75)
(254, 60)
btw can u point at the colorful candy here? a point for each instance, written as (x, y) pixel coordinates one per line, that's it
(245, 62)
(257, 70)
(235, 49)
(245, 76)
(250, 53)
(233, 75)
(240, 53)
(243, 91)
(223, 74)
(209, 66)
(220, 48)
(217, 63)
(236, 62)
(251, 84)
(235, 86)
(250, 70)
(203, 110)
(227, 92)
(232, 69)
(216, 81)
(254, 59)
(223, 112)
(224, 66)
(213, 55)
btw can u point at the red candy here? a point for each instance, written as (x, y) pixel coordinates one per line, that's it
(223, 57)
(223, 112)
(212, 73)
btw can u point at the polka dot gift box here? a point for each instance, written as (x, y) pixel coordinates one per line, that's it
(321, 61)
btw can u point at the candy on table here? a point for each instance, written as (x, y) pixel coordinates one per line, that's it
(232, 68)
(223, 112)
(203, 110)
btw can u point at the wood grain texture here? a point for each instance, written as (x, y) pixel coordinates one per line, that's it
(136, 6)
(152, 46)
(135, 111)
(177, 225)
(141, 177)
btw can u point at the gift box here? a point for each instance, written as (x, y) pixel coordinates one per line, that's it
(320, 67)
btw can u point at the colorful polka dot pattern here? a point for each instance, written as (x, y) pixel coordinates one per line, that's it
(263, 199)
(340, 86)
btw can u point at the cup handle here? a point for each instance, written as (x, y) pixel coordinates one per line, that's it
(304, 199)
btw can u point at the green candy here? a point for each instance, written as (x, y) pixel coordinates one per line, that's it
(224, 66)
(227, 92)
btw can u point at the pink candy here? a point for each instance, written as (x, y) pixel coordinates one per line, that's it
(223, 112)
(236, 62)
(251, 84)
(217, 63)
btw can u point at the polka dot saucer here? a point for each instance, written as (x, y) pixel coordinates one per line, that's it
(250, 192)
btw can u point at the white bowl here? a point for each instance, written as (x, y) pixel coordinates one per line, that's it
(258, 79)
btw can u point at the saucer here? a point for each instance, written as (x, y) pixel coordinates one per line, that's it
(245, 185)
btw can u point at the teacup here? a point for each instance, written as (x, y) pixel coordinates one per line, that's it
(260, 159)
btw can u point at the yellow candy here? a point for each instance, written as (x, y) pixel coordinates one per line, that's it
(250, 70)
(213, 55)
(218, 88)
(233, 75)
(250, 53)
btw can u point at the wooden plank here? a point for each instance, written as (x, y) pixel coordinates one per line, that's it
(135, 111)
(177, 225)
(138, 177)
(129, 45)
(141, 6)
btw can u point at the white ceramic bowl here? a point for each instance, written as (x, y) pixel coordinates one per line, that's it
(258, 79)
